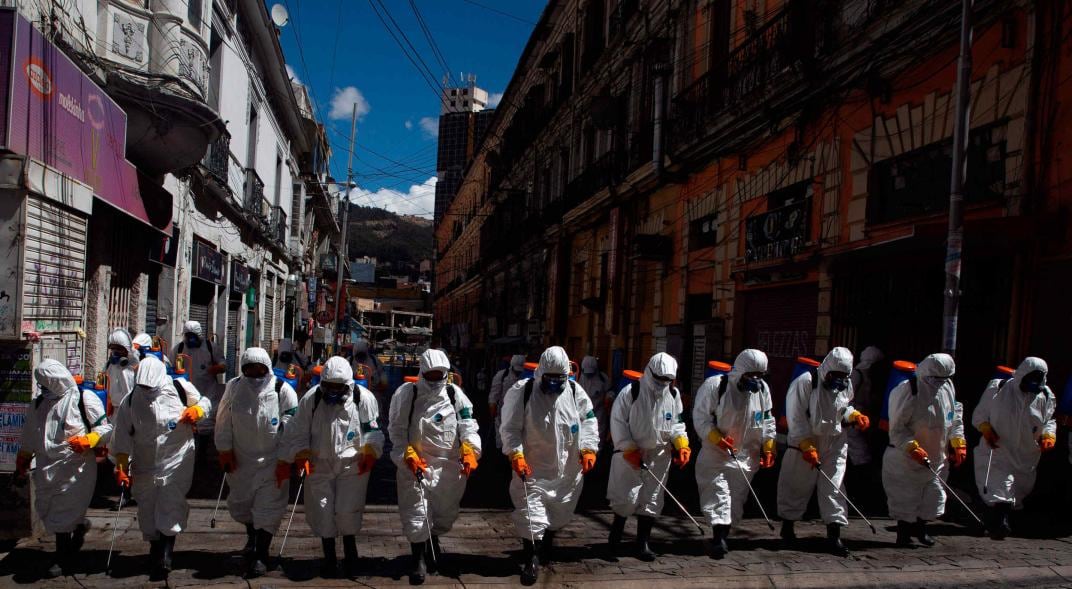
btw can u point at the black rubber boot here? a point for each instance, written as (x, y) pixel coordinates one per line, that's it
(530, 565)
(418, 571)
(258, 564)
(922, 535)
(156, 560)
(546, 547)
(329, 565)
(349, 556)
(999, 525)
(59, 557)
(833, 538)
(643, 535)
(433, 555)
(78, 538)
(720, 548)
(168, 552)
(789, 533)
(251, 542)
(904, 533)
(617, 530)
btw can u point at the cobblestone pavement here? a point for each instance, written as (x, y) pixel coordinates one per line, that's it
(482, 551)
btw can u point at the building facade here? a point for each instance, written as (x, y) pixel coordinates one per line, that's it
(702, 176)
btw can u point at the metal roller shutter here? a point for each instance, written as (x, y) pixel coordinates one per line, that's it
(232, 339)
(55, 267)
(268, 328)
(781, 323)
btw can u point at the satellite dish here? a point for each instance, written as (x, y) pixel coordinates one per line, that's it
(279, 15)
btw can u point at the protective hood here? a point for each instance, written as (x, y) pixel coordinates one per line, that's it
(143, 340)
(338, 370)
(257, 356)
(54, 379)
(433, 360)
(748, 361)
(1029, 365)
(151, 373)
(285, 346)
(661, 364)
(517, 363)
(121, 337)
(554, 361)
(838, 360)
(193, 327)
(589, 365)
(869, 357)
(936, 365)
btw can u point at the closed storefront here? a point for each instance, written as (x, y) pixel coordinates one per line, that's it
(781, 322)
(207, 275)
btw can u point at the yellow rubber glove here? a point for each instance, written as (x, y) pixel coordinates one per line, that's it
(724, 442)
(192, 414)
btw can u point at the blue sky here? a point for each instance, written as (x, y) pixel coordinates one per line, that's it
(352, 59)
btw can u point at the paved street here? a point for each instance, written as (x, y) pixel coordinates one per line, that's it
(485, 549)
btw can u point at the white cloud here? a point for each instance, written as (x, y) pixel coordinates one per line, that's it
(343, 101)
(430, 126)
(494, 99)
(409, 125)
(418, 199)
(292, 74)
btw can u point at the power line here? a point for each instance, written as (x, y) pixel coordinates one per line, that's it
(501, 12)
(431, 42)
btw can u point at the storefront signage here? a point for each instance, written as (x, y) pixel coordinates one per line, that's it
(239, 277)
(777, 234)
(208, 263)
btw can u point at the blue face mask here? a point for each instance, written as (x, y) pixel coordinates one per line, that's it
(142, 353)
(286, 357)
(114, 358)
(335, 396)
(837, 383)
(193, 341)
(1033, 384)
(552, 386)
(750, 384)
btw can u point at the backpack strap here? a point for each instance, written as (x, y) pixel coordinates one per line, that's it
(814, 372)
(180, 348)
(37, 402)
(180, 390)
(528, 392)
(634, 391)
(913, 381)
(723, 383)
(82, 412)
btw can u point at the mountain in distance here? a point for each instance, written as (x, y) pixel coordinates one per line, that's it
(398, 242)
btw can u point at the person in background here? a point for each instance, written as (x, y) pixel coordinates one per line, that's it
(500, 384)
(862, 477)
(122, 363)
(598, 386)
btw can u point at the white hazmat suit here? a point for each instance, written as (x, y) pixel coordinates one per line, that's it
(863, 394)
(423, 417)
(744, 416)
(500, 384)
(550, 431)
(598, 386)
(653, 424)
(818, 419)
(149, 430)
(334, 436)
(202, 359)
(1021, 420)
(121, 372)
(250, 422)
(63, 480)
(930, 418)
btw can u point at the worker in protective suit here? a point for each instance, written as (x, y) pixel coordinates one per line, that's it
(598, 386)
(334, 439)
(153, 445)
(648, 431)
(1015, 417)
(287, 355)
(122, 363)
(63, 425)
(864, 398)
(436, 447)
(733, 416)
(550, 434)
(819, 412)
(143, 343)
(252, 415)
(926, 422)
(500, 384)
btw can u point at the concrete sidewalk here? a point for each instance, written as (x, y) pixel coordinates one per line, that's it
(482, 551)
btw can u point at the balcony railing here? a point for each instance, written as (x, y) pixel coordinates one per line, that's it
(218, 158)
(278, 225)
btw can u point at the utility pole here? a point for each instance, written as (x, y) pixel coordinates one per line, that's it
(961, 128)
(343, 256)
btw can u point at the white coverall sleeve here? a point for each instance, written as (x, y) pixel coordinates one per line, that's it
(679, 430)
(703, 407)
(495, 397)
(1049, 427)
(956, 427)
(900, 413)
(98, 418)
(369, 411)
(223, 434)
(468, 429)
(770, 426)
(589, 424)
(122, 442)
(194, 397)
(296, 434)
(981, 414)
(288, 404)
(217, 357)
(619, 421)
(513, 418)
(796, 412)
(397, 426)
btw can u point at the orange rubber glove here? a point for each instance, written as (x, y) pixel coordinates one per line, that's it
(1047, 443)
(682, 457)
(517, 462)
(634, 457)
(366, 459)
(227, 461)
(282, 473)
(917, 453)
(305, 466)
(22, 464)
(724, 442)
(588, 461)
(413, 461)
(493, 410)
(122, 463)
(217, 369)
(79, 444)
(989, 434)
(862, 421)
(468, 459)
(809, 453)
(958, 456)
(192, 414)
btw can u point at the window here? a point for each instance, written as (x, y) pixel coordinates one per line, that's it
(577, 286)
(193, 14)
(465, 91)
(703, 232)
(465, 104)
(215, 62)
(452, 103)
